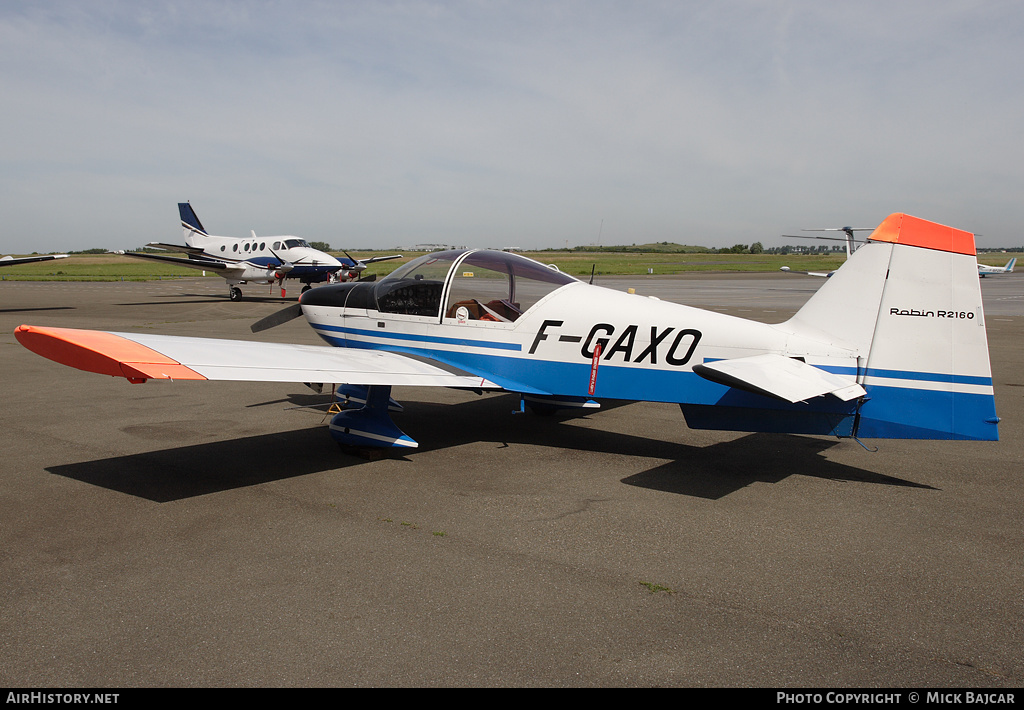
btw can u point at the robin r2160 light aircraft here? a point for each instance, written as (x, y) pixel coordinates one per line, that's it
(892, 346)
(256, 259)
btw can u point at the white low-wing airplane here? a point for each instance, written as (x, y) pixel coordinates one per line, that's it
(892, 346)
(984, 270)
(256, 259)
(12, 261)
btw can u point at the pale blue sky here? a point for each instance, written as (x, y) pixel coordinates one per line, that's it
(531, 124)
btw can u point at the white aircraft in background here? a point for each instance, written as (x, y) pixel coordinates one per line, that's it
(851, 245)
(256, 259)
(984, 270)
(12, 261)
(892, 346)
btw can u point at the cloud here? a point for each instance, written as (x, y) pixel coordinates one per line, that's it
(487, 124)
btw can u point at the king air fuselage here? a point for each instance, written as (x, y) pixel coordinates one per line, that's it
(258, 257)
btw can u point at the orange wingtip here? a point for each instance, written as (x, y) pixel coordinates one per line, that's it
(104, 353)
(903, 229)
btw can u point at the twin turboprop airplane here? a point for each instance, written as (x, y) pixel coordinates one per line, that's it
(892, 346)
(257, 259)
(984, 270)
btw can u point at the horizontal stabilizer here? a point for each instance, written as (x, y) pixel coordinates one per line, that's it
(780, 377)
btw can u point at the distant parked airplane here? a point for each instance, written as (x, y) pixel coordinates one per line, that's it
(984, 270)
(256, 259)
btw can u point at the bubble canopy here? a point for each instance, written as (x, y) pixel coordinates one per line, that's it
(475, 285)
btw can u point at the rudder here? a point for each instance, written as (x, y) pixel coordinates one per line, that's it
(909, 303)
(189, 221)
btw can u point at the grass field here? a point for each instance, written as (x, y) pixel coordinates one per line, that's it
(113, 267)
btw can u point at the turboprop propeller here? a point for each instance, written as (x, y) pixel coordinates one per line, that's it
(282, 269)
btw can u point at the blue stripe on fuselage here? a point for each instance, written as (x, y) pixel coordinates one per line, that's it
(900, 374)
(887, 412)
(458, 342)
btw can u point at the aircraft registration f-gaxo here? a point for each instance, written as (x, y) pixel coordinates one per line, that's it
(892, 346)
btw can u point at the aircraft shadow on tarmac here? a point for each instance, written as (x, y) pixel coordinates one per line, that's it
(194, 298)
(41, 308)
(706, 472)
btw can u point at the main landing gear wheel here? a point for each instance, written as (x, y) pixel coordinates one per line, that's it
(235, 294)
(306, 288)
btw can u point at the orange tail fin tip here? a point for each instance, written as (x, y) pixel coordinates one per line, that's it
(901, 228)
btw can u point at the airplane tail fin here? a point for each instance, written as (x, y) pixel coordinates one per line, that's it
(909, 304)
(1010, 264)
(190, 223)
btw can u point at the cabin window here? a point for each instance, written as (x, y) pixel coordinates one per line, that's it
(499, 287)
(415, 288)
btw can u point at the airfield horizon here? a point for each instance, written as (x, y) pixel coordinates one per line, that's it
(116, 267)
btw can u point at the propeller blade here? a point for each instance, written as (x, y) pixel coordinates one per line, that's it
(356, 264)
(275, 319)
(282, 265)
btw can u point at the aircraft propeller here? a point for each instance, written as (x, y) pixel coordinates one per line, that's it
(282, 269)
(356, 269)
(275, 319)
(283, 266)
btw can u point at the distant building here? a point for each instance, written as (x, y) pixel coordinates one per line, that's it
(431, 247)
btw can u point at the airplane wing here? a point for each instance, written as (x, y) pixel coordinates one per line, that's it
(12, 261)
(780, 377)
(181, 261)
(380, 258)
(183, 248)
(140, 357)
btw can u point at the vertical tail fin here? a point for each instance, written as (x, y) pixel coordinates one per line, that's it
(1010, 264)
(909, 304)
(190, 222)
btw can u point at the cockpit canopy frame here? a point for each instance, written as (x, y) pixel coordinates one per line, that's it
(473, 285)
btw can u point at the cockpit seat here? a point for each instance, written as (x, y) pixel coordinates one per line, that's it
(495, 311)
